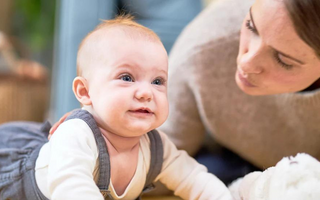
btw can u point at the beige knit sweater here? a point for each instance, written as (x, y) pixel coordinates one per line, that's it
(204, 96)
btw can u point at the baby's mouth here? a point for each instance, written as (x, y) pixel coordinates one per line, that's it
(142, 110)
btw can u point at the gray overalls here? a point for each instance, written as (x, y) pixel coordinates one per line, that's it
(20, 143)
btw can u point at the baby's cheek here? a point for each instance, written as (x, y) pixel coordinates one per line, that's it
(163, 107)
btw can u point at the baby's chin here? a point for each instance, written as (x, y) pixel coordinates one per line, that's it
(142, 126)
(136, 131)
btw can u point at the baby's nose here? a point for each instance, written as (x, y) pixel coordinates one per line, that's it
(144, 92)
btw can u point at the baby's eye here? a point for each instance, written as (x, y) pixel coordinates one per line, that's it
(126, 78)
(158, 81)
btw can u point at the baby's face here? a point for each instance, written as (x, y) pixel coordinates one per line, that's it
(128, 86)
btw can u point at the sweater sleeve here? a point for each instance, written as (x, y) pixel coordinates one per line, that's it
(187, 178)
(73, 156)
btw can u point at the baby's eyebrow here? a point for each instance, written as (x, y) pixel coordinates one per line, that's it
(163, 71)
(126, 66)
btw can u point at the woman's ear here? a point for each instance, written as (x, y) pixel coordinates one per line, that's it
(81, 90)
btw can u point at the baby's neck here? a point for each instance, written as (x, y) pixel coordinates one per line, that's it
(124, 156)
(119, 143)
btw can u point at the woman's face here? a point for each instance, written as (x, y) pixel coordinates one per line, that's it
(272, 58)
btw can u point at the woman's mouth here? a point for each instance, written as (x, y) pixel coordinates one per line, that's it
(244, 80)
(141, 111)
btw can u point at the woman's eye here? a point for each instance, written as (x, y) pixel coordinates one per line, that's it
(281, 63)
(250, 27)
(126, 78)
(158, 81)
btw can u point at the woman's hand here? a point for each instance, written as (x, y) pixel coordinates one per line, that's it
(57, 124)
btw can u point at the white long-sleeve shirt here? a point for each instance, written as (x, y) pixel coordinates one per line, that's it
(67, 168)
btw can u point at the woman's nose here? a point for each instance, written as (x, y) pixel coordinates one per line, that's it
(251, 59)
(144, 92)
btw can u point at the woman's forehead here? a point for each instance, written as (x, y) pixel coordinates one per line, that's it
(277, 30)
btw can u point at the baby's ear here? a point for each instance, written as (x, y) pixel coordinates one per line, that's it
(81, 90)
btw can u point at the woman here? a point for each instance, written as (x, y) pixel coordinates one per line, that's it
(259, 99)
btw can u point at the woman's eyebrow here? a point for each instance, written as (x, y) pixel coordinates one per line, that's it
(251, 18)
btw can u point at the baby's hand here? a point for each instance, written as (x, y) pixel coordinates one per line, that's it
(57, 124)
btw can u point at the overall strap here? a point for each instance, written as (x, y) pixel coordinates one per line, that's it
(104, 160)
(156, 149)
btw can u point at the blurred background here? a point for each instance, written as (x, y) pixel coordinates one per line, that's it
(26, 58)
(39, 41)
(32, 22)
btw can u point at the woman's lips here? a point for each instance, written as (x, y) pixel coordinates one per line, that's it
(244, 80)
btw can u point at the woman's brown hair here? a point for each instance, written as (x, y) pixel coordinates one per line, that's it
(305, 15)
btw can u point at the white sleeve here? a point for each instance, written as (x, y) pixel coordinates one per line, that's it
(73, 156)
(187, 178)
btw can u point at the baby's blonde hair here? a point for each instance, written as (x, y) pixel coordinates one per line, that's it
(128, 25)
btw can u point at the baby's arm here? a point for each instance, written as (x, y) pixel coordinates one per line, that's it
(73, 155)
(187, 178)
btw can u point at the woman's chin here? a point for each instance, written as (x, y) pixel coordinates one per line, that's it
(253, 91)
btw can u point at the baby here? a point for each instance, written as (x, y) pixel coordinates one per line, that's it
(293, 178)
(110, 148)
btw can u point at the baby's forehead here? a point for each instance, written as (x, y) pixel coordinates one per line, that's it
(111, 39)
(102, 43)
(102, 35)
(110, 33)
